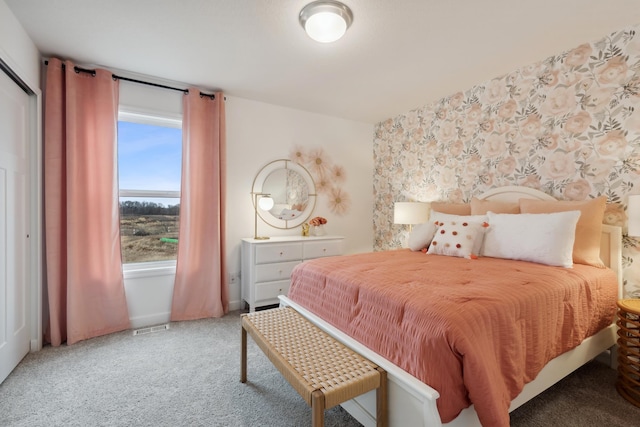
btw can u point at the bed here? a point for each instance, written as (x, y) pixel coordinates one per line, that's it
(412, 401)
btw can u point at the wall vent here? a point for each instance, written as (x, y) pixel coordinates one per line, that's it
(151, 329)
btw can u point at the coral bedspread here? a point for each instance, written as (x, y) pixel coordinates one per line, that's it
(474, 330)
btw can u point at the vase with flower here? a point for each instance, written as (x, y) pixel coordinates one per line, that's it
(317, 226)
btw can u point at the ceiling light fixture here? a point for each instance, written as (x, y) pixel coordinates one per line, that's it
(325, 21)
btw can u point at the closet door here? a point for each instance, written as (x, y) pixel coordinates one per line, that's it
(14, 224)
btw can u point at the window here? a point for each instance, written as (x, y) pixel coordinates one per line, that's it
(149, 168)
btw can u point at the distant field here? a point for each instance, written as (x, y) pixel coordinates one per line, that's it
(141, 234)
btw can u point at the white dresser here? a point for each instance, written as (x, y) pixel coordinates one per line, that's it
(267, 264)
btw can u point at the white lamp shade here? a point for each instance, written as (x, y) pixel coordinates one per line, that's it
(411, 212)
(265, 203)
(633, 213)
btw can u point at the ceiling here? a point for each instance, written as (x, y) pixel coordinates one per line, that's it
(397, 55)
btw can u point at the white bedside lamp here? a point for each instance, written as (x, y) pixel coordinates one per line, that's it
(411, 213)
(265, 203)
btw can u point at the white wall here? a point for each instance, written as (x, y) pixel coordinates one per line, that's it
(17, 49)
(258, 133)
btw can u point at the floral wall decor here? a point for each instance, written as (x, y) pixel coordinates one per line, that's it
(568, 125)
(328, 178)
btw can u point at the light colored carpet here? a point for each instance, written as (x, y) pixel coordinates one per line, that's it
(189, 376)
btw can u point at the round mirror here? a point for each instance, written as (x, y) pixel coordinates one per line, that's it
(291, 188)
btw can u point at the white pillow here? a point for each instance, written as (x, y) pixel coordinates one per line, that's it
(477, 219)
(421, 235)
(545, 238)
(456, 238)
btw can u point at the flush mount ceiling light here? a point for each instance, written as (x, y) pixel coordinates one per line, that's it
(325, 21)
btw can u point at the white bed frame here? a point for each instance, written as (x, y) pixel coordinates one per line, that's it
(413, 403)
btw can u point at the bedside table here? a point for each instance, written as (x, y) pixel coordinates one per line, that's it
(267, 264)
(628, 384)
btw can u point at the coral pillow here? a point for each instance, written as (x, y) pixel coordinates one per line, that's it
(586, 249)
(541, 238)
(456, 238)
(451, 208)
(481, 207)
(421, 236)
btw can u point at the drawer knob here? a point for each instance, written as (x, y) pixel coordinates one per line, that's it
(281, 253)
(324, 249)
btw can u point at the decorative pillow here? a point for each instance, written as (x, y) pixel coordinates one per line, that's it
(481, 207)
(586, 249)
(421, 236)
(456, 238)
(438, 217)
(542, 238)
(451, 208)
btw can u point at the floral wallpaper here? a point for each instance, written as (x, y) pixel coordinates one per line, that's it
(568, 125)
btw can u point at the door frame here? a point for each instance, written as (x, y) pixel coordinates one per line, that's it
(36, 219)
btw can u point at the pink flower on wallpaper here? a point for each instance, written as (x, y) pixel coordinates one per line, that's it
(560, 101)
(559, 165)
(578, 123)
(613, 144)
(613, 72)
(531, 125)
(456, 100)
(474, 113)
(531, 181)
(431, 148)
(520, 147)
(446, 178)
(599, 169)
(447, 131)
(579, 55)
(577, 190)
(507, 166)
(522, 90)
(508, 109)
(487, 126)
(456, 196)
(494, 92)
(493, 146)
(598, 98)
(417, 134)
(614, 214)
(474, 164)
(456, 148)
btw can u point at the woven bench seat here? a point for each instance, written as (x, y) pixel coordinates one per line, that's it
(322, 370)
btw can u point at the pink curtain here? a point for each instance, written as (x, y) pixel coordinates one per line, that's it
(200, 288)
(84, 274)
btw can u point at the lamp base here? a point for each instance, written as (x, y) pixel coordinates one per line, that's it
(261, 238)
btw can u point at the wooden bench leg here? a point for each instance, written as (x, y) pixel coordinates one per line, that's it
(243, 357)
(317, 409)
(382, 409)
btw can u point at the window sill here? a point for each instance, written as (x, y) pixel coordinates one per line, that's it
(148, 269)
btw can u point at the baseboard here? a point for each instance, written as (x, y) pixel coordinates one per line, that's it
(150, 320)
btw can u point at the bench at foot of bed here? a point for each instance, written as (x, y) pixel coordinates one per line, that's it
(323, 371)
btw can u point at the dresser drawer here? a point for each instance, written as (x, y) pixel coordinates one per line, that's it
(322, 248)
(278, 252)
(271, 290)
(275, 271)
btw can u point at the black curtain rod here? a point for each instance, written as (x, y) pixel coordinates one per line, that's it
(116, 77)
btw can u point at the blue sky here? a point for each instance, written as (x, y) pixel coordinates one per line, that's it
(149, 158)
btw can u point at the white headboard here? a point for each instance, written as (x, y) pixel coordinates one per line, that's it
(610, 243)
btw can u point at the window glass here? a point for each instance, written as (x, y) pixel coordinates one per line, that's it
(149, 163)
